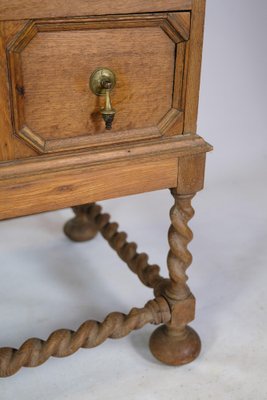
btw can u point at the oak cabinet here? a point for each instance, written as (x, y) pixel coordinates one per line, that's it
(99, 100)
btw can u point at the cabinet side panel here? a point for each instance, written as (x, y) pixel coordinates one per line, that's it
(193, 60)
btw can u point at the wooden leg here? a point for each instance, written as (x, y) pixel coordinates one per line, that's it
(173, 343)
(81, 228)
(91, 333)
(176, 343)
(64, 342)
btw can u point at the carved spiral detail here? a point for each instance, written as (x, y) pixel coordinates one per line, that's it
(64, 342)
(179, 235)
(137, 262)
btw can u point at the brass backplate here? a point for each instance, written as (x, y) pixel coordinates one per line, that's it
(97, 78)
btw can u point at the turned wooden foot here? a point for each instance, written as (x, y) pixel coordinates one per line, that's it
(173, 346)
(81, 228)
(176, 343)
(173, 343)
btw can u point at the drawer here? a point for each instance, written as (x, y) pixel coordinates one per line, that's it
(50, 63)
(55, 150)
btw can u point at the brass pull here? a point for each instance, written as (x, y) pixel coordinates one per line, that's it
(102, 82)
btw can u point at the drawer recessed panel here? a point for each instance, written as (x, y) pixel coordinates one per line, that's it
(56, 71)
(51, 63)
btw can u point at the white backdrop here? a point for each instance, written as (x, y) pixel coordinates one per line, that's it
(47, 282)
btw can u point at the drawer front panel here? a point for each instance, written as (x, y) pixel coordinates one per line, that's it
(51, 61)
(59, 91)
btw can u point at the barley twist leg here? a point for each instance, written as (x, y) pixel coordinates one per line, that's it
(179, 236)
(127, 251)
(176, 343)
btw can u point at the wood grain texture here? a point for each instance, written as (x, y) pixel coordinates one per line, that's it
(181, 22)
(58, 101)
(28, 9)
(6, 140)
(191, 171)
(22, 150)
(194, 58)
(34, 194)
(172, 123)
(82, 142)
(51, 183)
(50, 65)
(180, 78)
(63, 50)
(11, 147)
(65, 342)
(157, 149)
(176, 343)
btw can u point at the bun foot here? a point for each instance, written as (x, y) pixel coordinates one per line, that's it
(80, 228)
(175, 347)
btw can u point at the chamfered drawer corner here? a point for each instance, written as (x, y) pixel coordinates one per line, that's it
(50, 62)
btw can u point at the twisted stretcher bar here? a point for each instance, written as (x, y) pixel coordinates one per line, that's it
(174, 342)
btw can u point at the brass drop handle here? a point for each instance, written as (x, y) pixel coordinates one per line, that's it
(102, 82)
(108, 113)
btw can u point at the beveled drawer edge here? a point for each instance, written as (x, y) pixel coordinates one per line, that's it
(86, 141)
(175, 25)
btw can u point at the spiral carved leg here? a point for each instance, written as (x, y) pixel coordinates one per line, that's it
(64, 342)
(80, 228)
(127, 251)
(176, 343)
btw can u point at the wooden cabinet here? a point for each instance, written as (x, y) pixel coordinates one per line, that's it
(57, 151)
(50, 121)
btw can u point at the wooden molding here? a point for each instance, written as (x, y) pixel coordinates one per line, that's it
(29, 9)
(172, 123)
(64, 180)
(36, 141)
(180, 146)
(103, 139)
(176, 26)
(181, 23)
